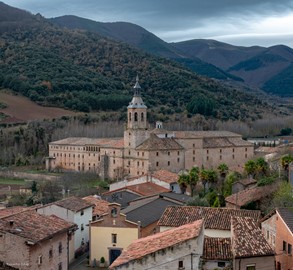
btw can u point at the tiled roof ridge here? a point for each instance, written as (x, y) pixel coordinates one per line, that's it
(192, 231)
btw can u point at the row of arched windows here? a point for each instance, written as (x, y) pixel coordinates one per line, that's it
(136, 116)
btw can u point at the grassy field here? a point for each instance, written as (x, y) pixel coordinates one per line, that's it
(12, 181)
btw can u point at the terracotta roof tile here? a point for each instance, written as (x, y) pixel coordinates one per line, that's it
(100, 206)
(215, 218)
(224, 142)
(216, 248)
(249, 195)
(204, 134)
(144, 246)
(248, 240)
(166, 176)
(74, 204)
(81, 141)
(12, 210)
(33, 226)
(156, 143)
(144, 189)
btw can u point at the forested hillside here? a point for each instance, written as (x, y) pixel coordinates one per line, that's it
(86, 72)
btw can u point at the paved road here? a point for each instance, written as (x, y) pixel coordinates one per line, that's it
(80, 263)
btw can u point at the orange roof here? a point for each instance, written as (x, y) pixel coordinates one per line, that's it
(100, 206)
(165, 176)
(144, 246)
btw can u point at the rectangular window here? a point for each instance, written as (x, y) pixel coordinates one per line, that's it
(60, 266)
(250, 267)
(51, 253)
(180, 265)
(284, 245)
(114, 238)
(221, 264)
(178, 160)
(290, 249)
(81, 212)
(81, 227)
(40, 259)
(157, 153)
(60, 247)
(168, 163)
(157, 163)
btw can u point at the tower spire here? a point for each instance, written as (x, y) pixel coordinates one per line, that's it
(137, 87)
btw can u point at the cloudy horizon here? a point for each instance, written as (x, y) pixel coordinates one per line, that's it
(242, 22)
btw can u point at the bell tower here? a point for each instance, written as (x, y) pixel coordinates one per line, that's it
(136, 110)
(136, 131)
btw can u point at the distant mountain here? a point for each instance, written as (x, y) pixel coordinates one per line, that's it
(138, 37)
(257, 66)
(85, 71)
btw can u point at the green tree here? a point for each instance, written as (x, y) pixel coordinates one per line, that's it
(261, 167)
(285, 162)
(250, 167)
(189, 179)
(223, 170)
(284, 196)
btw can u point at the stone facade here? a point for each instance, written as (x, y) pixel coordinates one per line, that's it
(142, 150)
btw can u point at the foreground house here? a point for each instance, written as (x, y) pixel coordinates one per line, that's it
(250, 249)
(141, 151)
(111, 234)
(179, 248)
(75, 210)
(32, 241)
(277, 228)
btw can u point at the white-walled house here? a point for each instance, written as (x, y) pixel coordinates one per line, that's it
(179, 248)
(75, 210)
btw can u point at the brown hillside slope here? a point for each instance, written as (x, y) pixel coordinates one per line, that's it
(21, 109)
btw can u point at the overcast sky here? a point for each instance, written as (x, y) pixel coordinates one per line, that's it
(238, 22)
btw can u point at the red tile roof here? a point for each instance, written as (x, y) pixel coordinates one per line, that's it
(144, 189)
(34, 227)
(144, 246)
(248, 240)
(165, 176)
(74, 204)
(215, 218)
(249, 195)
(100, 206)
(216, 248)
(154, 143)
(12, 210)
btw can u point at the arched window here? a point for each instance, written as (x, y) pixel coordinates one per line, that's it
(135, 116)
(130, 116)
(142, 116)
(114, 212)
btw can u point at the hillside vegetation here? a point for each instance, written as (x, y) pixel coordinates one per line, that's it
(86, 72)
